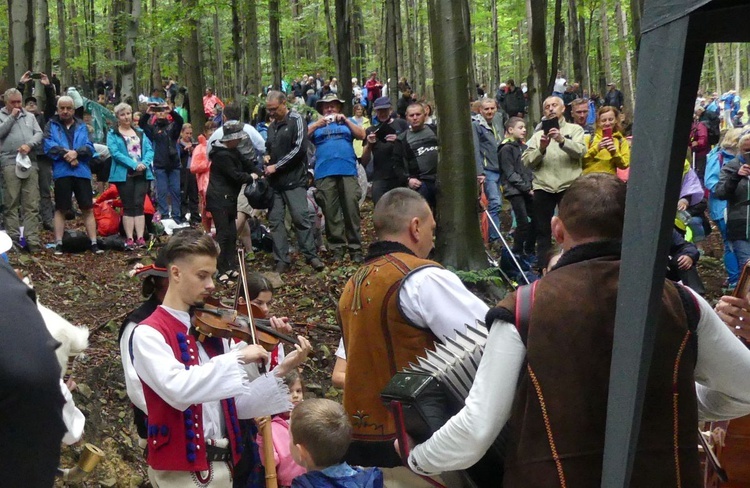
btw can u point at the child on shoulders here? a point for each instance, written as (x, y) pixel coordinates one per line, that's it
(320, 436)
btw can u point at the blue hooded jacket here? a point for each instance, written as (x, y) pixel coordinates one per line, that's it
(340, 476)
(58, 140)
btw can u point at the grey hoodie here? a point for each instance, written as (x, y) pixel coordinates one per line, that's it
(15, 132)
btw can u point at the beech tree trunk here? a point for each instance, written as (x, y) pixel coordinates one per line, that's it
(577, 53)
(737, 69)
(62, 40)
(252, 52)
(536, 11)
(21, 29)
(344, 28)
(42, 59)
(275, 39)
(604, 11)
(220, 88)
(331, 35)
(557, 37)
(391, 49)
(626, 69)
(193, 73)
(236, 51)
(127, 70)
(495, 75)
(459, 241)
(717, 69)
(472, 83)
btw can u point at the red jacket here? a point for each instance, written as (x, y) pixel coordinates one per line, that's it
(175, 438)
(111, 193)
(699, 134)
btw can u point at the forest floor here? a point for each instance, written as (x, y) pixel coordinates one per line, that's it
(96, 291)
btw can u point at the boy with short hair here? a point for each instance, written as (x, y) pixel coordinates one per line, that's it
(320, 436)
(516, 180)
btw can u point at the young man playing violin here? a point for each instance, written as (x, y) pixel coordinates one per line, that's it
(196, 392)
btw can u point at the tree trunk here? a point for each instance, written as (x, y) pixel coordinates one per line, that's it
(737, 69)
(360, 51)
(73, 21)
(717, 68)
(344, 28)
(558, 31)
(391, 49)
(585, 65)
(62, 40)
(604, 11)
(459, 242)
(21, 29)
(625, 66)
(193, 73)
(399, 40)
(236, 52)
(536, 11)
(275, 43)
(42, 58)
(575, 41)
(466, 13)
(636, 13)
(252, 52)
(220, 88)
(128, 70)
(495, 78)
(410, 45)
(331, 34)
(422, 26)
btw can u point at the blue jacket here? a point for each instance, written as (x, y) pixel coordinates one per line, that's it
(122, 163)
(716, 159)
(332, 478)
(58, 140)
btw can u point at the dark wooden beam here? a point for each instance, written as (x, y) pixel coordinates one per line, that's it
(721, 24)
(668, 77)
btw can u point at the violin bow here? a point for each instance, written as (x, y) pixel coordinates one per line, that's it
(243, 277)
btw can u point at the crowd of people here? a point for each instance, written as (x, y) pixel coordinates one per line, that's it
(219, 412)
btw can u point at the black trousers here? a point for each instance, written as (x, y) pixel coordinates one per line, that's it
(226, 237)
(544, 209)
(525, 236)
(189, 195)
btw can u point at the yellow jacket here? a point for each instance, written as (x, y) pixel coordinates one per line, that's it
(598, 160)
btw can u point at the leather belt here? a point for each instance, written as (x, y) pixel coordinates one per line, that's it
(214, 453)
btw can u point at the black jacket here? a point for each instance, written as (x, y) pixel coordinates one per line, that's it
(514, 102)
(515, 177)
(614, 98)
(287, 147)
(164, 139)
(228, 174)
(736, 190)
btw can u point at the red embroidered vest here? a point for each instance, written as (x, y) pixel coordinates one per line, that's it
(175, 438)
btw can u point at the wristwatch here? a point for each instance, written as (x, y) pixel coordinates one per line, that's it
(562, 143)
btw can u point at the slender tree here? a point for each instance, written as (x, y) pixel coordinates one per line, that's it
(252, 51)
(536, 11)
(459, 242)
(275, 38)
(604, 19)
(626, 68)
(22, 27)
(127, 56)
(193, 73)
(391, 49)
(331, 34)
(344, 28)
(42, 58)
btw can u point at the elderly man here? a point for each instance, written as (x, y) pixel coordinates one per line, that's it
(20, 134)
(336, 176)
(67, 144)
(286, 170)
(554, 157)
(395, 306)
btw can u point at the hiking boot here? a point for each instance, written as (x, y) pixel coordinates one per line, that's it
(58, 250)
(317, 264)
(338, 253)
(129, 245)
(282, 267)
(357, 257)
(95, 249)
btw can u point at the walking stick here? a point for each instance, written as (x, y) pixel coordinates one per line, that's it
(505, 244)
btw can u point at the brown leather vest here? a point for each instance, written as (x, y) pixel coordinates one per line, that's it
(559, 412)
(379, 342)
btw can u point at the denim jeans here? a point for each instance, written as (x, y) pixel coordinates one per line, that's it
(730, 258)
(168, 192)
(742, 251)
(494, 200)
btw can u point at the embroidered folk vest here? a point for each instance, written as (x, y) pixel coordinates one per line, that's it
(379, 341)
(175, 438)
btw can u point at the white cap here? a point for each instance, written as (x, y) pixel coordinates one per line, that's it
(23, 166)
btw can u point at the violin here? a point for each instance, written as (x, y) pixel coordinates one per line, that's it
(210, 321)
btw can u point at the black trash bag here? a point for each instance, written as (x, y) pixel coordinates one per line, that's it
(114, 243)
(259, 194)
(75, 241)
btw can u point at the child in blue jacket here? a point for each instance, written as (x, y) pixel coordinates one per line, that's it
(320, 436)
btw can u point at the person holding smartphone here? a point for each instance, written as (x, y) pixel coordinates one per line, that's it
(734, 186)
(608, 149)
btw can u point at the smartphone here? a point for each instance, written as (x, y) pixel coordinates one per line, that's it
(607, 132)
(548, 124)
(34, 75)
(743, 285)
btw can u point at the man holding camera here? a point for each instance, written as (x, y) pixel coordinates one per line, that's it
(554, 156)
(336, 176)
(163, 133)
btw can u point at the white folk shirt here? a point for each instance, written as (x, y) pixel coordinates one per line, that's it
(722, 375)
(213, 380)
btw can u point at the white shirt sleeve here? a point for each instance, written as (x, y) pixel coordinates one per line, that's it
(485, 412)
(258, 142)
(73, 418)
(132, 381)
(435, 298)
(722, 372)
(154, 362)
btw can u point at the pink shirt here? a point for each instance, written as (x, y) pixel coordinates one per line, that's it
(210, 102)
(286, 468)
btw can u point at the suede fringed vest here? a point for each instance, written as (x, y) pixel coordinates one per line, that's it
(379, 342)
(560, 408)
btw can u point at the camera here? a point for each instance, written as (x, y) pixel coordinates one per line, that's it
(330, 118)
(35, 75)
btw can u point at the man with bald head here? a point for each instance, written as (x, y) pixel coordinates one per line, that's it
(393, 308)
(554, 157)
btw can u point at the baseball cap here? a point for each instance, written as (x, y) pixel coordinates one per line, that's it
(382, 102)
(23, 166)
(30, 99)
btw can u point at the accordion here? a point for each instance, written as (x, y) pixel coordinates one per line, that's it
(428, 393)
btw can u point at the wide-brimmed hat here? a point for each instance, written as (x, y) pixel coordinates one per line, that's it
(232, 131)
(23, 166)
(328, 98)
